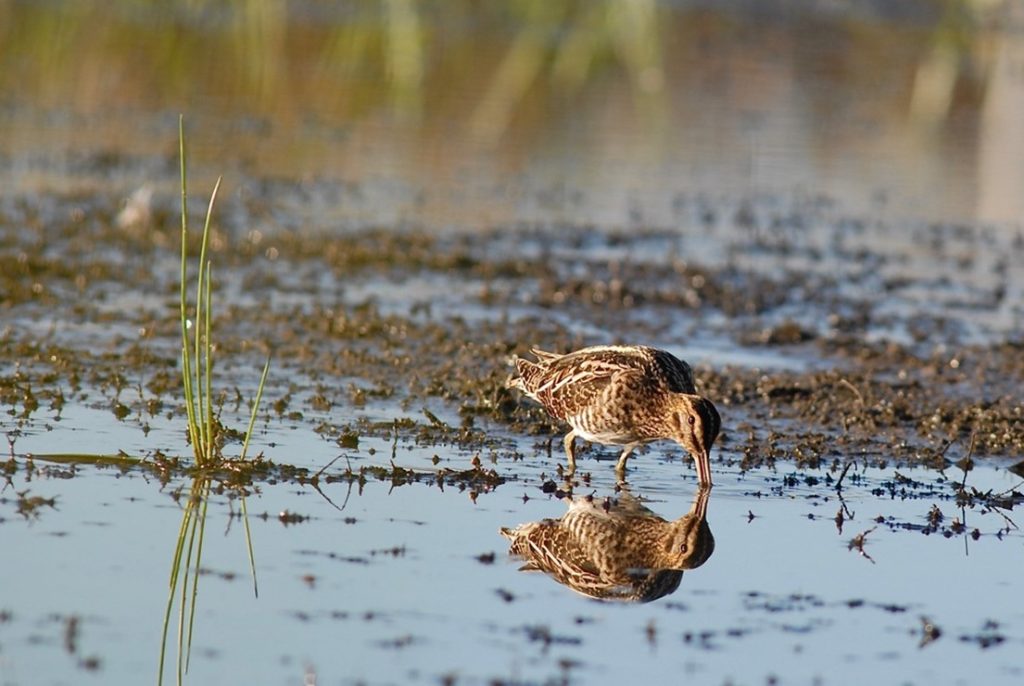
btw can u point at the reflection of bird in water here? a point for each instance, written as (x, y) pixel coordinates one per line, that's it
(616, 550)
(622, 395)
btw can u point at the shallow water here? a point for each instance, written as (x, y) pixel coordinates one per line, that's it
(392, 587)
(819, 210)
(394, 582)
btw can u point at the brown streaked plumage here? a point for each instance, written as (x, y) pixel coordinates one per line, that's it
(624, 395)
(616, 550)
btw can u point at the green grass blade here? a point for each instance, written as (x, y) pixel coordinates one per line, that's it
(208, 365)
(203, 314)
(173, 584)
(195, 578)
(186, 362)
(200, 448)
(183, 599)
(255, 408)
(252, 555)
(245, 449)
(190, 566)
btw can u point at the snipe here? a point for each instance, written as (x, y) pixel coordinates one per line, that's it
(624, 395)
(616, 549)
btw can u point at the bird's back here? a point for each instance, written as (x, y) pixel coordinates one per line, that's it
(566, 384)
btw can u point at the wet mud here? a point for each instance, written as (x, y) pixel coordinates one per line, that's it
(359, 322)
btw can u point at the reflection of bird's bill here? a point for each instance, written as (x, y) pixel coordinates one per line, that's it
(699, 508)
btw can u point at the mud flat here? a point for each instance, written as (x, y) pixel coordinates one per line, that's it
(868, 376)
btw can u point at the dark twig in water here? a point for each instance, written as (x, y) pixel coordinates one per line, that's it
(1009, 522)
(315, 481)
(858, 541)
(842, 475)
(843, 514)
(328, 466)
(967, 463)
(323, 495)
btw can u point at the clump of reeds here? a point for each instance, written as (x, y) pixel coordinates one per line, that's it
(203, 430)
(197, 354)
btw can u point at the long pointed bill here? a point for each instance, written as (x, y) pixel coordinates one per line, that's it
(703, 462)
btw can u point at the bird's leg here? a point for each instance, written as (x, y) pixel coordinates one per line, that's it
(570, 450)
(620, 466)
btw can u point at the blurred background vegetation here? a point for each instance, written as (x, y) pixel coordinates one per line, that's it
(589, 93)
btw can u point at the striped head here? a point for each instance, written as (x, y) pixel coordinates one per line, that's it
(694, 423)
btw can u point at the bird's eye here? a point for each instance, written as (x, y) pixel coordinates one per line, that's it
(692, 420)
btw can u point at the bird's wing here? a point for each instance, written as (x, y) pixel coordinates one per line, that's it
(566, 383)
(552, 548)
(565, 389)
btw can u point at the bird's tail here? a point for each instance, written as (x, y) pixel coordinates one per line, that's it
(525, 369)
(544, 356)
(518, 379)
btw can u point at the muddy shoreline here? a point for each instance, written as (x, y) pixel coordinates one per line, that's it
(359, 322)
